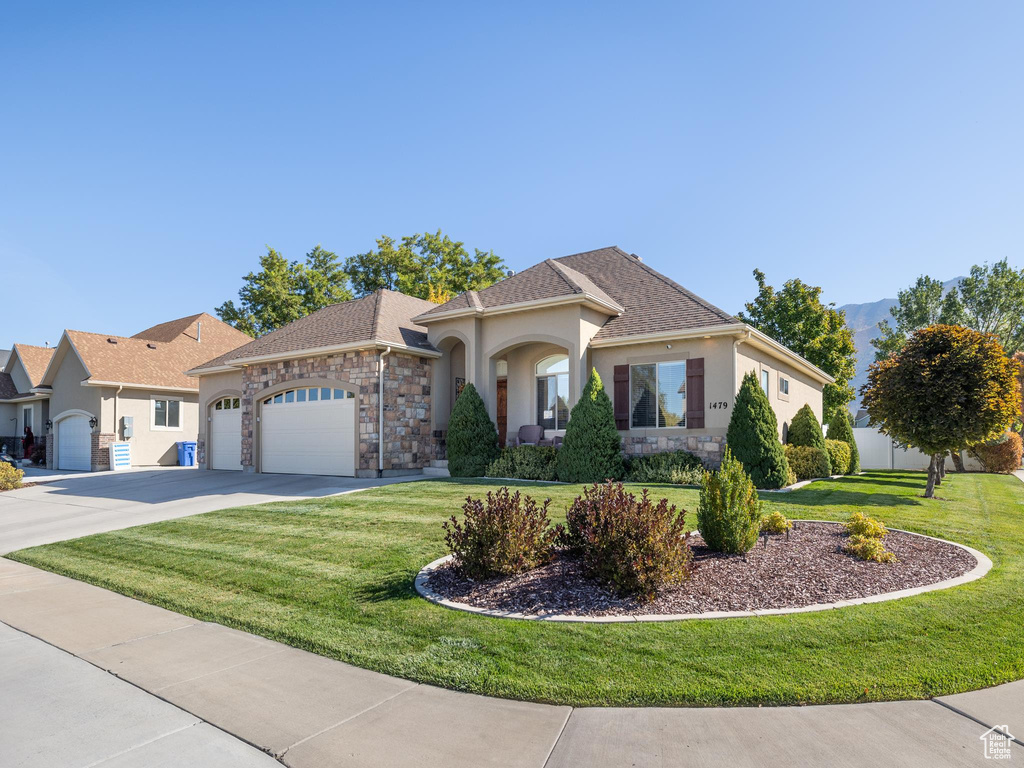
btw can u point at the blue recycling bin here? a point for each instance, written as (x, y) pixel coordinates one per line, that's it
(186, 454)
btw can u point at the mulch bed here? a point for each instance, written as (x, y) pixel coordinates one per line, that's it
(806, 568)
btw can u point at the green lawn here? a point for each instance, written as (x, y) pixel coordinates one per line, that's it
(335, 577)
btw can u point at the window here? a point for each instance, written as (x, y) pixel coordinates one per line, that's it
(764, 381)
(166, 413)
(783, 385)
(26, 417)
(657, 394)
(228, 404)
(553, 392)
(312, 395)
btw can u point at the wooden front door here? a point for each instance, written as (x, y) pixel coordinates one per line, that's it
(502, 410)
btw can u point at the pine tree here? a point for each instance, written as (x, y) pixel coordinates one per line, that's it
(472, 436)
(840, 427)
(753, 436)
(592, 449)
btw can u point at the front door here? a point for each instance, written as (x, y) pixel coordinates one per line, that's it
(502, 410)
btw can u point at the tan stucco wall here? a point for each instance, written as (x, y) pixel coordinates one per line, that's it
(150, 446)
(802, 388)
(719, 386)
(68, 392)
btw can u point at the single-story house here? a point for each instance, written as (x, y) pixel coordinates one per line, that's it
(95, 389)
(22, 402)
(310, 397)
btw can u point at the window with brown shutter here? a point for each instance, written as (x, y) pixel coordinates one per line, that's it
(621, 399)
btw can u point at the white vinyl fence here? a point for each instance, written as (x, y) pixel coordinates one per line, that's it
(877, 451)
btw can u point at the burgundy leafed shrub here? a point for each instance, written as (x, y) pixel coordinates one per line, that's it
(506, 535)
(633, 545)
(1000, 455)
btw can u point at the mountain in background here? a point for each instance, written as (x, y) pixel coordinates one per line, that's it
(863, 320)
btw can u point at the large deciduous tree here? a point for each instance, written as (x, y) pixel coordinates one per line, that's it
(283, 291)
(948, 388)
(919, 306)
(430, 266)
(796, 317)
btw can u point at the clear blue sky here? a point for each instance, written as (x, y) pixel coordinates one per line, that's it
(148, 151)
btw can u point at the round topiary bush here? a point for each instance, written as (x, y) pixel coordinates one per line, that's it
(838, 456)
(807, 462)
(753, 436)
(805, 430)
(472, 436)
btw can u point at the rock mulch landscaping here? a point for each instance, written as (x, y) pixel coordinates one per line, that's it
(807, 568)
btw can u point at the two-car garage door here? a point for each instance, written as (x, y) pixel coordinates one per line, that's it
(309, 431)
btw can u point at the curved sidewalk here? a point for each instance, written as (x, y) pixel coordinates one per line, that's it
(307, 710)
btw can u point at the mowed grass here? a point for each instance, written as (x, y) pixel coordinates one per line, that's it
(335, 576)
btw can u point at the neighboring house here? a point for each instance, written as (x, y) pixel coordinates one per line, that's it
(95, 382)
(671, 363)
(22, 402)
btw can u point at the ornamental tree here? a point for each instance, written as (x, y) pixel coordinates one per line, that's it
(591, 451)
(805, 429)
(753, 436)
(472, 436)
(949, 388)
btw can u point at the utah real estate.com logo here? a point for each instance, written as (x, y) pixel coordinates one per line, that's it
(997, 742)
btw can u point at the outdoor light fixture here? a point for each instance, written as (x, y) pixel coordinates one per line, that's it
(92, 422)
(49, 424)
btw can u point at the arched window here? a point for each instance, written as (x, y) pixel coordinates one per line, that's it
(553, 392)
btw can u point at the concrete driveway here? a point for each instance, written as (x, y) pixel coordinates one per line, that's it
(70, 506)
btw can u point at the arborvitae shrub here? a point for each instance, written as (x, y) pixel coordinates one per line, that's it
(805, 430)
(472, 436)
(840, 427)
(591, 451)
(729, 512)
(753, 436)
(838, 456)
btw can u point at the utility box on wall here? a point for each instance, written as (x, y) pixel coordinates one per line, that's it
(126, 426)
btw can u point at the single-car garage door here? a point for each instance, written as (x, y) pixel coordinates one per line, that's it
(74, 443)
(224, 442)
(309, 431)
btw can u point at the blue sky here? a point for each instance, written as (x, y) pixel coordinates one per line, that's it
(148, 152)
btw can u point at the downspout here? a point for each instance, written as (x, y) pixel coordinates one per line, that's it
(380, 412)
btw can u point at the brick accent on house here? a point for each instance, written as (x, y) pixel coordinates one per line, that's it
(101, 450)
(708, 447)
(408, 444)
(49, 450)
(201, 452)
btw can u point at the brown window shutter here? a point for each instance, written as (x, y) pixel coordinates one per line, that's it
(621, 397)
(695, 393)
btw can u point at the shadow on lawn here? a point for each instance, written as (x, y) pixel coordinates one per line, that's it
(395, 586)
(843, 498)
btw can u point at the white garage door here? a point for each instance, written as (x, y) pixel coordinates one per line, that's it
(74, 443)
(309, 431)
(224, 443)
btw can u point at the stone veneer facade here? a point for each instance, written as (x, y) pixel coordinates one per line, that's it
(708, 448)
(408, 443)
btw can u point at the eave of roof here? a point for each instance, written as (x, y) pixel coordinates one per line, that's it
(586, 299)
(242, 362)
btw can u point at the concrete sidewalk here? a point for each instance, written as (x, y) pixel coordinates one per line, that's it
(311, 711)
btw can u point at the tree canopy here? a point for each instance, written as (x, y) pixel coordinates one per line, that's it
(948, 388)
(283, 291)
(990, 299)
(796, 317)
(429, 266)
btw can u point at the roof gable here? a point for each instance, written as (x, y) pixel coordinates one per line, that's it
(383, 316)
(33, 360)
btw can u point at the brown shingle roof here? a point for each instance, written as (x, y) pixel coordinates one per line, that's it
(381, 316)
(547, 280)
(650, 302)
(142, 361)
(34, 359)
(7, 388)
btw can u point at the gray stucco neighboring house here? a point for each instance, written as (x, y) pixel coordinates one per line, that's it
(367, 386)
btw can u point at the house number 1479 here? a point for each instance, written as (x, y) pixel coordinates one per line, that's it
(718, 405)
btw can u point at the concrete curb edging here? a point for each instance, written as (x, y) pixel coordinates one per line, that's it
(981, 569)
